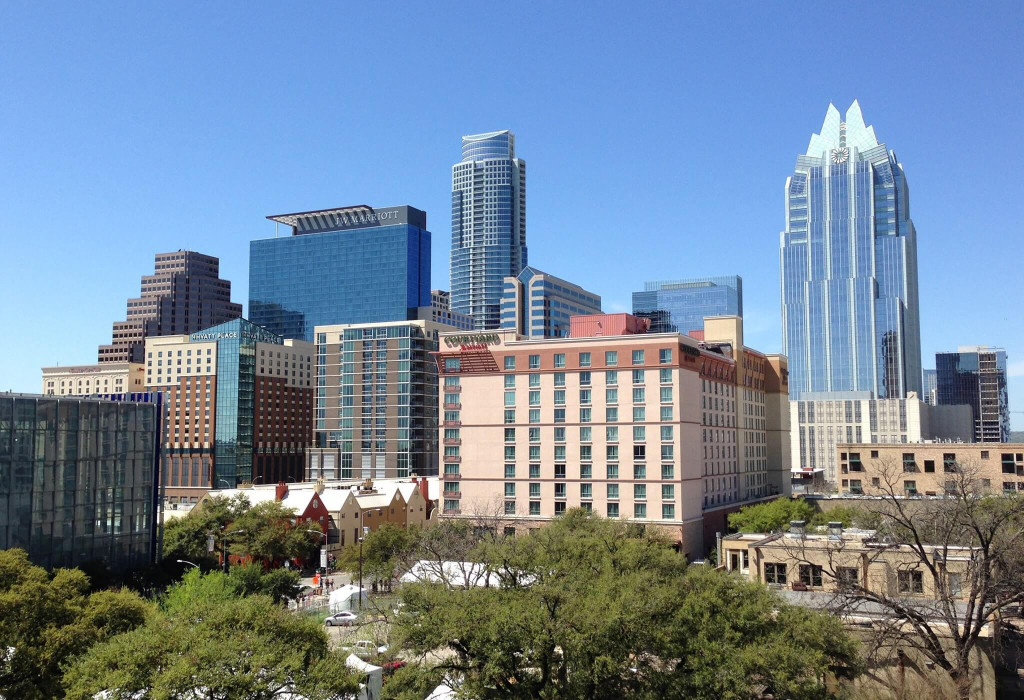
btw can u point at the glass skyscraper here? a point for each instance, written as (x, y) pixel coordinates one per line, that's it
(976, 376)
(679, 306)
(347, 265)
(488, 225)
(849, 266)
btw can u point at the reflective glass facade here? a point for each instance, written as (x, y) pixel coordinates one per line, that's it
(849, 267)
(337, 267)
(488, 225)
(539, 305)
(679, 306)
(976, 377)
(79, 478)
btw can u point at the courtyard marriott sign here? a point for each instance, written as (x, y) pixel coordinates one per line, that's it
(474, 341)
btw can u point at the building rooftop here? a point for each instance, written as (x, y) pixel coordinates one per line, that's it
(336, 212)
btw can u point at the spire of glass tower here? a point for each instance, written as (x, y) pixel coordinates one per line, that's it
(488, 225)
(849, 266)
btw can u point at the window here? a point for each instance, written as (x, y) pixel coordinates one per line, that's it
(535, 415)
(810, 575)
(668, 492)
(954, 584)
(639, 414)
(874, 454)
(510, 453)
(586, 471)
(910, 488)
(613, 472)
(667, 452)
(638, 376)
(510, 471)
(638, 357)
(534, 507)
(535, 398)
(848, 576)
(584, 378)
(585, 433)
(584, 415)
(586, 492)
(510, 362)
(639, 433)
(611, 395)
(613, 492)
(665, 395)
(584, 396)
(775, 573)
(584, 359)
(667, 471)
(534, 471)
(534, 490)
(510, 415)
(559, 415)
(611, 358)
(666, 433)
(639, 452)
(611, 377)
(665, 356)
(909, 465)
(534, 380)
(559, 471)
(639, 471)
(510, 396)
(666, 413)
(668, 511)
(510, 381)
(613, 510)
(949, 462)
(534, 361)
(452, 364)
(559, 359)
(640, 510)
(559, 378)
(560, 490)
(984, 454)
(929, 466)
(534, 434)
(559, 397)
(611, 414)
(510, 490)
(611, 433)
(909, 582)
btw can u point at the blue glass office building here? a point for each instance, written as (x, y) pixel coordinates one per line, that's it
(538, 305)
(347, 265)
(488, 225)
(679, 306)
(976, 375)
(848, 263)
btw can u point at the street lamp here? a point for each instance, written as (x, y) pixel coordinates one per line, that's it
(322, 534)
(224, 481)
(365, 531)
(224, 545)
(185, 561)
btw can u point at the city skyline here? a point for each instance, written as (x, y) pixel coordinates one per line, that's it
(618, 213)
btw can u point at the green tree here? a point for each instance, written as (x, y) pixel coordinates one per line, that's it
(770, 516)
(234, 648)
(590, 608)
(186, 538)
(267, 533)
(253, 579)
(46, 621)
(849, 516)
(383, 550)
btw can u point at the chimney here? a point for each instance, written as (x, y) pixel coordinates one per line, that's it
(798, 527)
(280, 490)
(835, 530)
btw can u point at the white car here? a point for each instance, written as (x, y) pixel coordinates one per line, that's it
(365, 646)
(342, 619)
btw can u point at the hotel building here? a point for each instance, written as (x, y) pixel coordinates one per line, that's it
(376, 401)
(661, 429)
(85, 380)
(239, 404)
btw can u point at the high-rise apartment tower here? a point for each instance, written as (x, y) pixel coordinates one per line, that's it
(488, 225)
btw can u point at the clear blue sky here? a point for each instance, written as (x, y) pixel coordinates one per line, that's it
(658, 137)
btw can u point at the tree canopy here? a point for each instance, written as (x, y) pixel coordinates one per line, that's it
(771, 516)
(46, 621)
(206, 637)
(590, 608)
(383, 550)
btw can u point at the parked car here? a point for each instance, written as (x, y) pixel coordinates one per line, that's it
(342, 619)
(365, 647)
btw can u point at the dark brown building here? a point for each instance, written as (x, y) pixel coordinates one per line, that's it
(183, 295)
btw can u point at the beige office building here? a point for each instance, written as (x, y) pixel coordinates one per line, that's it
(819, 424)
(660, 429)
(85, 380)
(923, 469)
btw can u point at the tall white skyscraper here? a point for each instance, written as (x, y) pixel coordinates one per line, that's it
(488, 225)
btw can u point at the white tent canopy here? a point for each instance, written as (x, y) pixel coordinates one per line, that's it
(346, 598)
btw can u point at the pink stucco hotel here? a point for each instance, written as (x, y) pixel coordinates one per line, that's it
(658, 428)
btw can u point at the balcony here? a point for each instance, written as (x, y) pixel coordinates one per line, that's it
(451, 494)
(452, 477)
(453, 389)
(452, 423)
(452, 459)
(453, 441)
(453, 406)
(453, 511)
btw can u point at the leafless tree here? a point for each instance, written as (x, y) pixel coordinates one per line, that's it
(957, 561)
